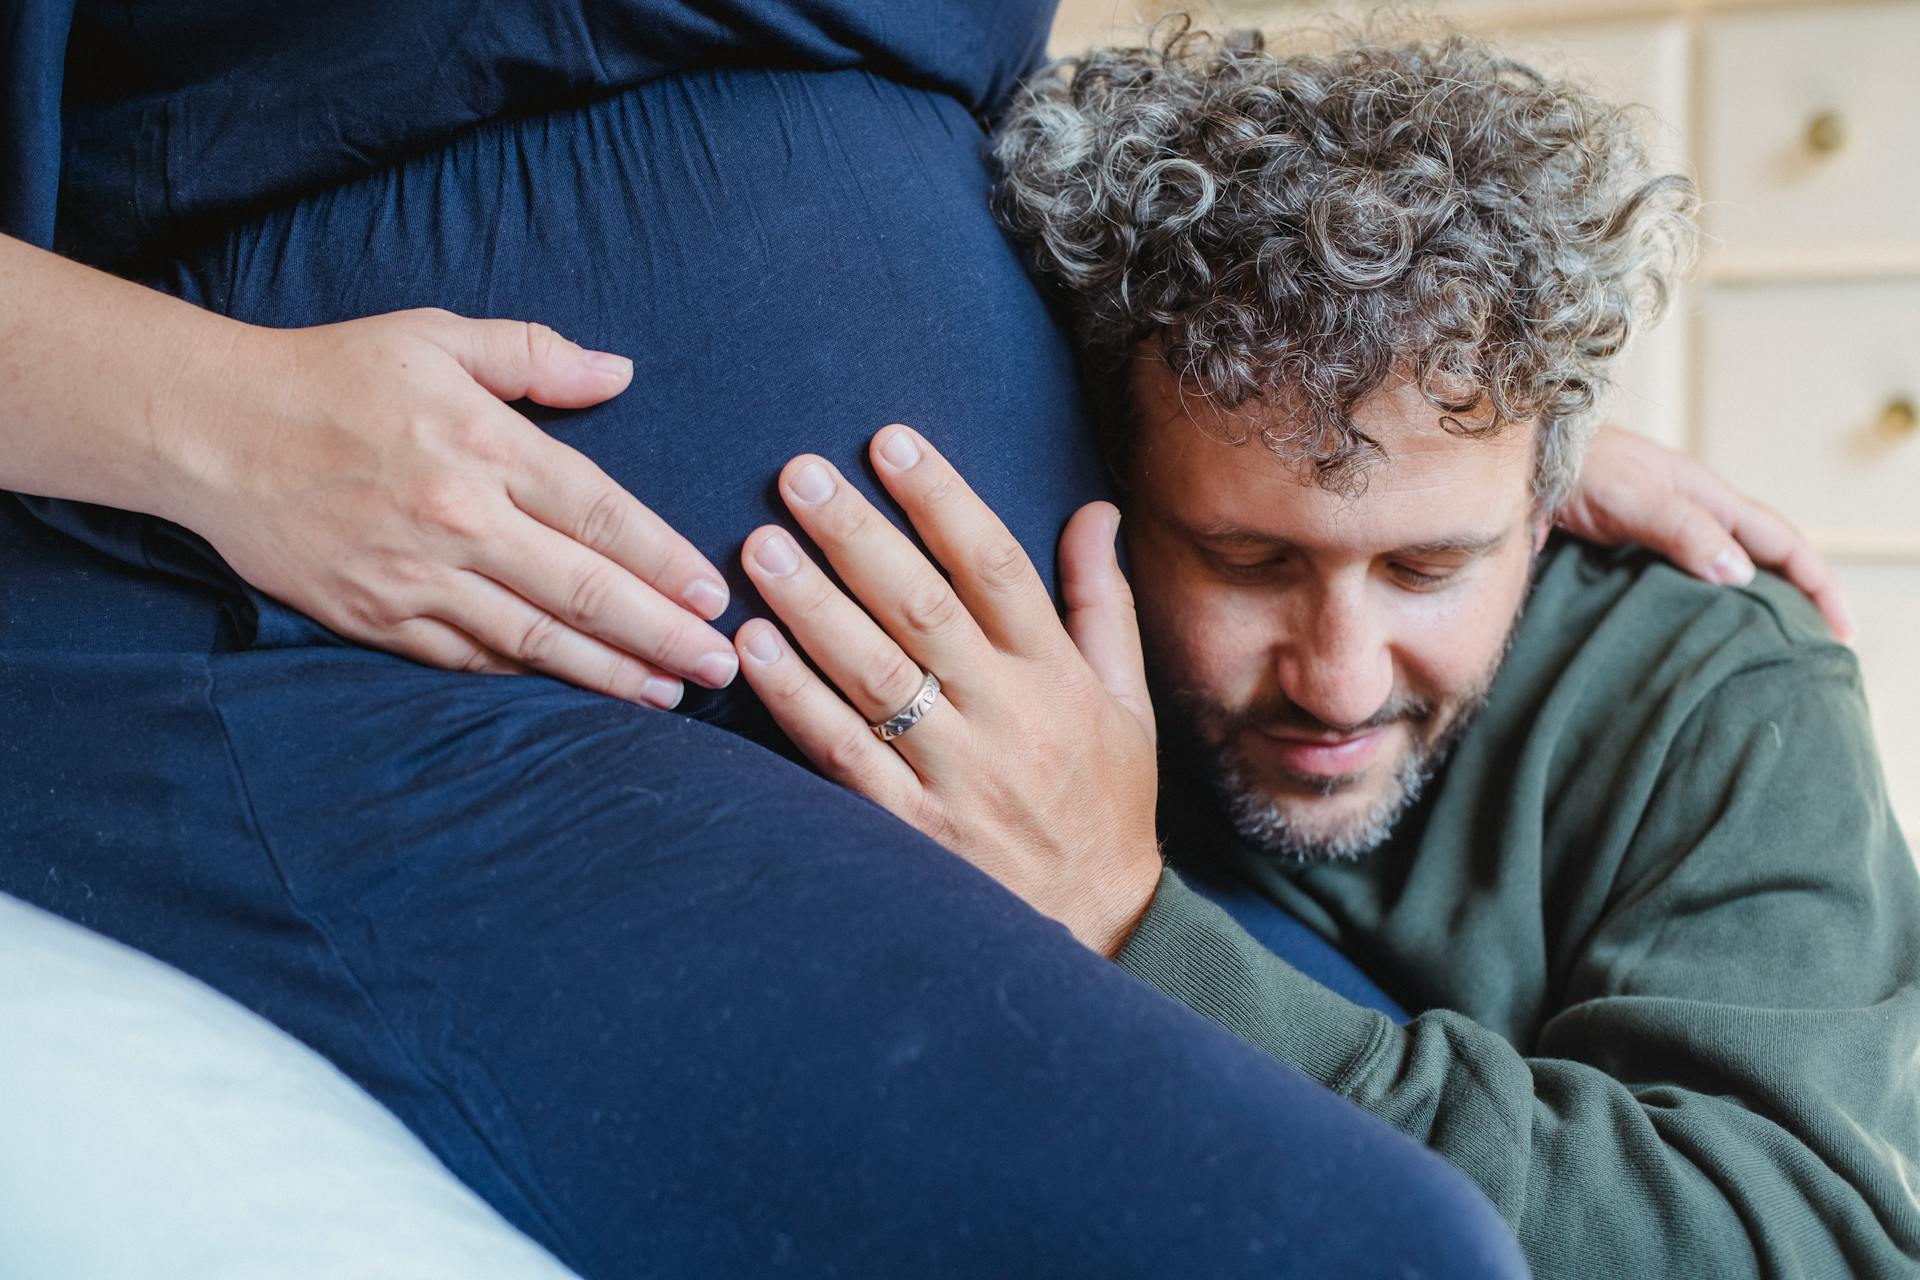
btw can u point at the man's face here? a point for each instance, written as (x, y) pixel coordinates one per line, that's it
(1324, 649)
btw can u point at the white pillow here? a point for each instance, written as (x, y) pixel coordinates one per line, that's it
(152, 1129)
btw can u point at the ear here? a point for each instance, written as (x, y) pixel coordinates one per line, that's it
(1542, 526)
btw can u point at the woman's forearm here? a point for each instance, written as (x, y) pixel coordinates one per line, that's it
(106, 387)
(366, 473)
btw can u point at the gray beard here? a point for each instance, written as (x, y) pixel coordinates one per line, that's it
(1264, 825)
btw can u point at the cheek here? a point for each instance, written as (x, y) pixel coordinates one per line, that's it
(1447, 642)
(1193, 632)
(1203, 638)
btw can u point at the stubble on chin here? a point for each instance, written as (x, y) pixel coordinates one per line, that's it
(1268, 824)
(1274, 825)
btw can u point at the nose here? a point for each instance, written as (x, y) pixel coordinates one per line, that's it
(1337, 666)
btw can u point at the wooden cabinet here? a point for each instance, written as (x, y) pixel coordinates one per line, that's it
(1791, 360)
(1809, 138)
(1801, 394)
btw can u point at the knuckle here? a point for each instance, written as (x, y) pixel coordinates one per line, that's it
(792, 683)
(1002, 563)
(931, 610)
(846, 754)
(367, 604)
(476, 661)
(677, 637)
(890, 681)
(1078, 687)
(1692, 475)
(1692, 525)
(940, 489)
(851, 520)
(933, 820)
(618, 678)
(819, 597)
(473, 436)
(540, 340)
(537, 644)
(445, 508)
(426, 319)
(362, 620)
(589, 596)
(674, 565)
(602, 522)
(403, 573)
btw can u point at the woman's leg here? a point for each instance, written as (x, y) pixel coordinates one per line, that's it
(677, 1007)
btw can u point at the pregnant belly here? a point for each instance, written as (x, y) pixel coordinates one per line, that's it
(792, 260)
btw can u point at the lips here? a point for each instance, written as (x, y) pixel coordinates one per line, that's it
(1325, 757)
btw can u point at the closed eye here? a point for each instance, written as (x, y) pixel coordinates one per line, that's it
(1420, 580)
(1246, 570)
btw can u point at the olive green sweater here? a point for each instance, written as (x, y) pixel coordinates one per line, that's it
(1664, 931)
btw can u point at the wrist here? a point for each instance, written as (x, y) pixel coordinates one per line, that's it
(107, 388)
(230, 394)
(1116, 906)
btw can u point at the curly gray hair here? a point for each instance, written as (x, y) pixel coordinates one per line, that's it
(1299, 227)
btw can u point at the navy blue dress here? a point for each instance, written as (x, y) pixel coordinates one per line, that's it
(673, 1004)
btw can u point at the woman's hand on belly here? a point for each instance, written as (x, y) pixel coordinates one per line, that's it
(372, 478)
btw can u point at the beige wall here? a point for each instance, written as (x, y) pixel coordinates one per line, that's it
(1792, 362)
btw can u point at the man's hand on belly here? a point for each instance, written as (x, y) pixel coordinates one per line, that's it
(1035, 759)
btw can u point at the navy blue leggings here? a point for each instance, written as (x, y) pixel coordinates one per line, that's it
(676, 1006)
(672, 1004)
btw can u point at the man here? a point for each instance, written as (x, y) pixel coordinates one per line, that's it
(1621, 837)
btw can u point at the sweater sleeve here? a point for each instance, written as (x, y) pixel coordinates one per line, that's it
(1730, 1084)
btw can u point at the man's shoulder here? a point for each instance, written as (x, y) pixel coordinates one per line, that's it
(1624, 669)
(1628, 612)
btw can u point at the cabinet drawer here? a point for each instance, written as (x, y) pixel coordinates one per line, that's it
(1809, 121)
(1799, 404)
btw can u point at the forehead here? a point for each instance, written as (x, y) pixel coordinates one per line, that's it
(1202, 466)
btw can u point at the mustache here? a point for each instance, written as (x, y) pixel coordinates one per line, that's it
(1285, 715)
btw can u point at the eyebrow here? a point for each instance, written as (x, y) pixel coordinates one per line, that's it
(1225, 531)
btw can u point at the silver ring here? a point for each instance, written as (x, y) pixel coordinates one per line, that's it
(908, 716)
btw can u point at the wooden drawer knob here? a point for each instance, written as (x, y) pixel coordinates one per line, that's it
(1827, 133)
(1899, 419)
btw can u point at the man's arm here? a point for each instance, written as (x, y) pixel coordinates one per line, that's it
(1731, 1082)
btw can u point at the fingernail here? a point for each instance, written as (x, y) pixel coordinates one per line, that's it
(717, 669)
(1848, 631)
(811, 484)
(1732, 567)
(777, 555)
(899, 449)
(707, 598)
(764, 645)
(608, 363)
(664, 694)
